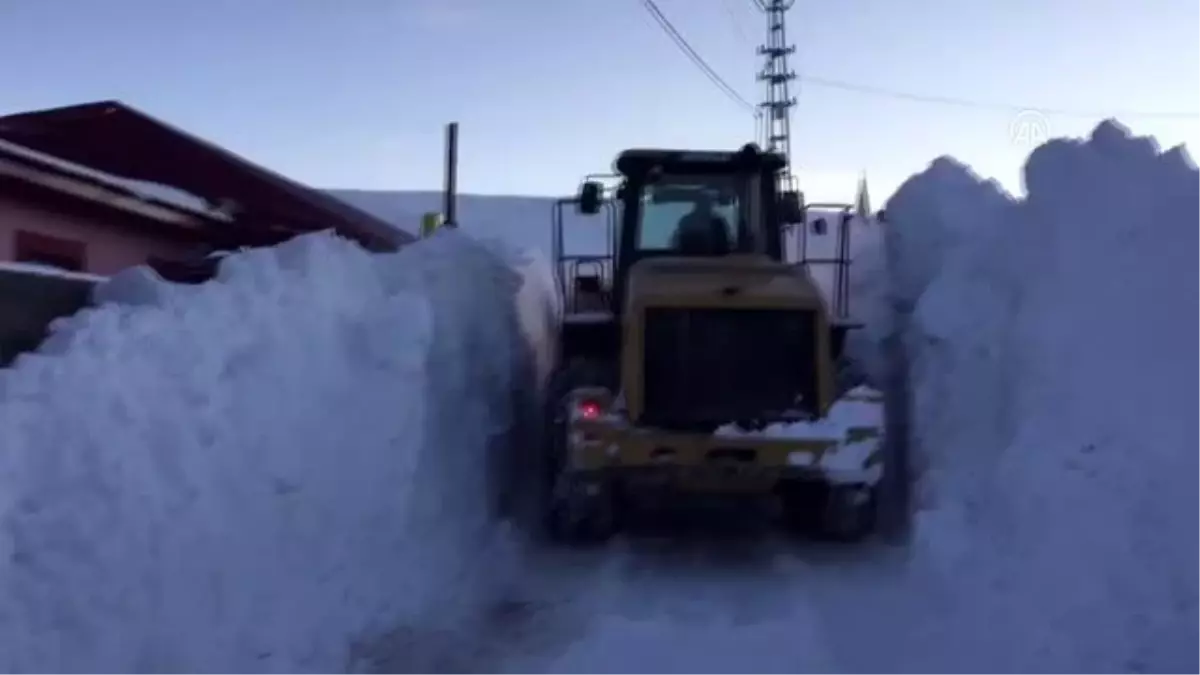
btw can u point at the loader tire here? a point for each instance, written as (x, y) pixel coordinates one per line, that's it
(575, 520)
(844, 513)
(849, 514)
(568, 514)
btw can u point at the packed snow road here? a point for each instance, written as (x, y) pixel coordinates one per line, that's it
(286, 469)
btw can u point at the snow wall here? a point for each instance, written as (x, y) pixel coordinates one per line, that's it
(249, 475)
(1053, 346)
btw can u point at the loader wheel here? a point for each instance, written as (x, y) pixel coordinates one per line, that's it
(801, 503)
(828, 512)
(849, 513)
(572, 512)
(578, 517)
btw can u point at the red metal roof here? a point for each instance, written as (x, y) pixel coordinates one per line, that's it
(114, 138)
(195, 226)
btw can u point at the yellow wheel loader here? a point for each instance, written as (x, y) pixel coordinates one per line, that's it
(696, 361)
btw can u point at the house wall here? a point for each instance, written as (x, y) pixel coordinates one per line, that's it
(111, 245)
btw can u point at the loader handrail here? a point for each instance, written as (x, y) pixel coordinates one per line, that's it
(841, 260)
(567, 266)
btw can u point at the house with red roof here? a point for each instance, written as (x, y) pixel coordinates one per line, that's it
(91, 189)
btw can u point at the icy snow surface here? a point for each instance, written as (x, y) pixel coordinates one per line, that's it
(267, 472)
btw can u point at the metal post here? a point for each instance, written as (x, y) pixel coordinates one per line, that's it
(448, 208)
(895, 487)
(843, 266)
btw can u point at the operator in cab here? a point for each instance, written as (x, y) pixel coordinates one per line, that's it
(703, 231)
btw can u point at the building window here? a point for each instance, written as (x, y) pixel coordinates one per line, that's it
(41, 249)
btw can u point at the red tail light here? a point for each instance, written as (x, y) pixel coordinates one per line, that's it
(589, 410)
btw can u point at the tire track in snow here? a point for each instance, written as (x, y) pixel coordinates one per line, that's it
(740, 604)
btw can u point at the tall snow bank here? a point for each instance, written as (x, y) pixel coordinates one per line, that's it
(1053, 348)
(930, 218)
(252, 474)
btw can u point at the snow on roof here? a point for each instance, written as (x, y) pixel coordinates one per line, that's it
(162, 194)
(119, 139)
(49, 271)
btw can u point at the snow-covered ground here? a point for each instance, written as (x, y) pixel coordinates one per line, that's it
(286, 469)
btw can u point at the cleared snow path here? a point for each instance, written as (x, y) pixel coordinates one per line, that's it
(1054, 351)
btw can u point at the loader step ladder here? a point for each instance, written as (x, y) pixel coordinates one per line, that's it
(585, 280)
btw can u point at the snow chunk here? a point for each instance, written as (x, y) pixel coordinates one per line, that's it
(860, 410)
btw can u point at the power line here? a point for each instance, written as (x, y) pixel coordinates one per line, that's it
(733, 19)
(830, 83)
(761, 126)
(695, 57)
(883, 92)
(870, 90)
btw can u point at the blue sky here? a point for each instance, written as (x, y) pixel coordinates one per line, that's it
(354, 93)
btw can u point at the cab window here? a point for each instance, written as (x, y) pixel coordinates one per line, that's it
(676, 212)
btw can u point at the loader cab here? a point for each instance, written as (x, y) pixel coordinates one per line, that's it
(680, 203)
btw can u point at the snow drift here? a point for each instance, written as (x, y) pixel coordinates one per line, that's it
(1053, 345)
(252, 474)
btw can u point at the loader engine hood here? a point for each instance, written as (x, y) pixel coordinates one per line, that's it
(730, 281)
(717, 340)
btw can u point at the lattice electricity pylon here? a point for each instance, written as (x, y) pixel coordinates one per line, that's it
(777, 101)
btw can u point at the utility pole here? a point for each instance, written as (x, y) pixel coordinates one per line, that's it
(450, 195)
(777, 102)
